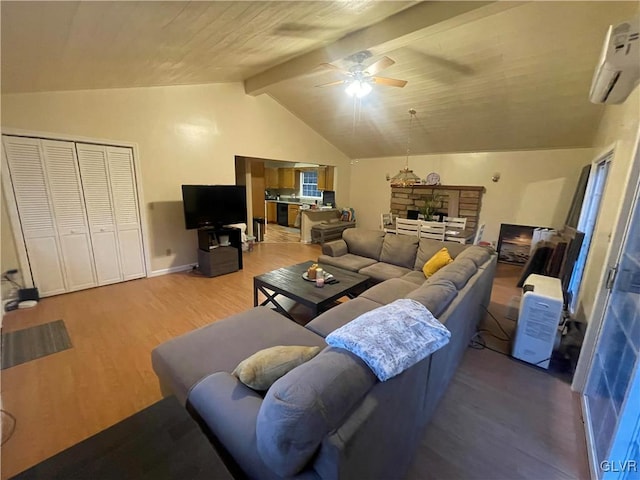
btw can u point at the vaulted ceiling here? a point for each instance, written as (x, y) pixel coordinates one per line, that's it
(483, 76)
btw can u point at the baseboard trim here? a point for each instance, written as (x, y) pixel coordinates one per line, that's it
(165, 271)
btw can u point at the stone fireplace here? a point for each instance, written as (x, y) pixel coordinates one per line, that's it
(456, 201)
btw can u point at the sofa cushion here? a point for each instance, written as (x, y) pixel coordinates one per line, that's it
(264, 367)
(230, 410)
(349, 261)
(399, 250)
(220, 346)
(428, 247)
(310, 401)
(389, 291)
(459, 272)
(335, 317)
(440, 259)
(335, 248)
(379, 272)
(435, 295)
(416, 277)
(479, 255)
(366, 243)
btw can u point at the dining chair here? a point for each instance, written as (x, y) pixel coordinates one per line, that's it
(432, 230)
(388, 222)
(456, 222)
(405, 226)
(479, 233)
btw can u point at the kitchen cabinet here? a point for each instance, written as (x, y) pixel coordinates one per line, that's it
(287, 178)
(272, 212)
(257, 187)
(293, 213)
(271, 178)
(325, 178)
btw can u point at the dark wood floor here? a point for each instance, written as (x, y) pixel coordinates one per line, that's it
(499, 418)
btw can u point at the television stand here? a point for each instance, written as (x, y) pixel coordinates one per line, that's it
(216, 257)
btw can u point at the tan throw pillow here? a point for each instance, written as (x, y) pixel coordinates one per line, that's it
(264, 367)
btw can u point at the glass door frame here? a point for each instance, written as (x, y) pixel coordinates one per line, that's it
(594, 327)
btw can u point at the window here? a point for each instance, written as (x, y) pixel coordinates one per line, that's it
(587, 223)
(309, 184)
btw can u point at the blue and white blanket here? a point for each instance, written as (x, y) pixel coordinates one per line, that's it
(392, 338)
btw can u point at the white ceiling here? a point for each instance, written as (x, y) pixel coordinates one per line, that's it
(483, 76)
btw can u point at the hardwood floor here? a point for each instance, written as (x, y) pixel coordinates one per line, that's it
(498, 419)
(501, 418)
(279, 234)
(64, 398)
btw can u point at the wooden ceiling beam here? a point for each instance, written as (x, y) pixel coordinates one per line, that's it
(423, 19)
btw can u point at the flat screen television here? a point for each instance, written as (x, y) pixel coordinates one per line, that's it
(214, 205)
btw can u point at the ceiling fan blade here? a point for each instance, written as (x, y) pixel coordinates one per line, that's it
(389, 82)
(444, 63)
(330, 66)
(384, 62)
(301, 30)
(330, 84)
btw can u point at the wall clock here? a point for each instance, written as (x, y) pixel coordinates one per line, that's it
(433, 179)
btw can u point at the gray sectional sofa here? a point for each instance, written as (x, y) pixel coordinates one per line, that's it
(331, 418)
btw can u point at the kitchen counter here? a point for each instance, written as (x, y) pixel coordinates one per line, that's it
(288, 202)
(311, 217)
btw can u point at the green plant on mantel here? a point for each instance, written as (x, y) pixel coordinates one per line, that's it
(432, 205)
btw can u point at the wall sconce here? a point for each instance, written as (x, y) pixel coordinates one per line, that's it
(387, 177)
(496, 177)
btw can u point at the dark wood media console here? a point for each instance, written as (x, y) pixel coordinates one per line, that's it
(215, 259)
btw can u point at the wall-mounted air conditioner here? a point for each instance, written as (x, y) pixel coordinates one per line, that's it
(618, 70)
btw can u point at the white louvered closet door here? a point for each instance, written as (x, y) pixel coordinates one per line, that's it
(102, 222)
(125, 199)
(28, 177)
(70, 216)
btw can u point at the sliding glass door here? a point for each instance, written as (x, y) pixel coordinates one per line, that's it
(612, 396)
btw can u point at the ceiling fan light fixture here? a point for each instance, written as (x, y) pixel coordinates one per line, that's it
(358, 88)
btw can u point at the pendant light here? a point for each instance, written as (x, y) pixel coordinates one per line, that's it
(406, 177)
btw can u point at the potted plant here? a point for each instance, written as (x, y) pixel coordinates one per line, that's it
(431, 206)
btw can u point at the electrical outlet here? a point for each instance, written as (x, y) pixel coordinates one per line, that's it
(168, 252)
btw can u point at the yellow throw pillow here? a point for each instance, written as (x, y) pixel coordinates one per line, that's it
(435, 263)
(263, 368)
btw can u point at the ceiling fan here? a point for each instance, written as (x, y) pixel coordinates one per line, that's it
(360, 78)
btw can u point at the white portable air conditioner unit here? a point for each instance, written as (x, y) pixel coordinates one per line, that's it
(540, 315)
(618, 70)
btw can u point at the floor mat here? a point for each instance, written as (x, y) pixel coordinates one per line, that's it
(30, 343)
(161, 442)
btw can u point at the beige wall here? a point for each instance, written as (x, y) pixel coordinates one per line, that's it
(8, 253)
(619, 127)
(535, 187)
(185, 134)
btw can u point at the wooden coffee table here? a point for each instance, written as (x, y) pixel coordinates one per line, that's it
(289, 283)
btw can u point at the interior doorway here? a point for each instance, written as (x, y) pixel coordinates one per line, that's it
(277, 193)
